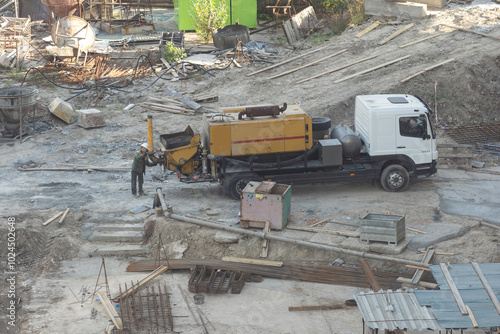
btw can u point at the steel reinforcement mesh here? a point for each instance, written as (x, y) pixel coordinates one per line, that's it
(474, 134)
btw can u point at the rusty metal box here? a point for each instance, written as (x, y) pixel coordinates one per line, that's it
(265, 201)
(380, 227)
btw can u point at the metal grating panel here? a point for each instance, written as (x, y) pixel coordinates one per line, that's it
(406, 314)
(473, 134)
(472, 292)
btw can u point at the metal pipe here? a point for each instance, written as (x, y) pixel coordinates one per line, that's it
(204, 168)
(164, 206)
(150, 134)
(268, 236)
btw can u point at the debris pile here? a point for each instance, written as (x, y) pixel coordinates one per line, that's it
(15, 38)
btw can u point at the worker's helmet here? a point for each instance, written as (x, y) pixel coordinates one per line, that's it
(145, 145)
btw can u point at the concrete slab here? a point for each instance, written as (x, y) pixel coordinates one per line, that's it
(63, 110)
(117, 236)
(104, 249)
(473, 198)
(384, 248)
(224, 237)
(432, 3)
(384, 8)
(436, 232)
(63, 51)
(91, 118)
(120, 227)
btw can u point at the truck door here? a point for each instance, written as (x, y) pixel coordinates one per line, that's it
(413, 138)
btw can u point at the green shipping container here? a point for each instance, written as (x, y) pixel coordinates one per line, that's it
(242, 11)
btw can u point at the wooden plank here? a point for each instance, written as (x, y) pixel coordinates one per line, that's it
(188, 102)
(438, 253)
(320, 222)
(367, 270)
(373, 68)
(315, 307)
(307, 65)
(265, 243)
(487, 286)
(417, 267)
(164, 100)
(47, 222)
(110, 310)
(472, 317)
(342, 223)
(335, 69)
(429, 255)
(253, 261)
(206, 97)
(320, 229)
(427, 285)
(157, 272)
(287, 61)
(453, 288)
(467, 30)
(396, 34)
(490, 225)
(166, 110)
(297, 27)
(368, 29)
(415, 230)
(420, 40)
(168, 107)
(64, 216)
(427, 69)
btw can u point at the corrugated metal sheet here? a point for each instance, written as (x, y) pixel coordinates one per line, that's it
(407, 313)
(472, 292)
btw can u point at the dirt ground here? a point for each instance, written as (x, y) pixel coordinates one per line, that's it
(55, 261)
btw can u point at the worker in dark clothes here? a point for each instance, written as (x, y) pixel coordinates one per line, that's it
(139, 169)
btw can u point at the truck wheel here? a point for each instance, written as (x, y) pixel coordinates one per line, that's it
(395, 178)
(235, 184)
(321, 123)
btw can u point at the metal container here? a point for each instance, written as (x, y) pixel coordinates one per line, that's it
(229, 36)
(351, 144)
(15, 103)
(385, 228)
(244, 12)
(288, 132)
(330, 152)
(265, 201)
(238, 11)
(74, 32)
(199, 299)
(62, 8)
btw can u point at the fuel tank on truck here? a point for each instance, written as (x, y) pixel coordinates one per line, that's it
(351, 144)
(255, 130)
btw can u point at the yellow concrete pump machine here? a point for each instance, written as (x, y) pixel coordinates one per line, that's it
(284, 144)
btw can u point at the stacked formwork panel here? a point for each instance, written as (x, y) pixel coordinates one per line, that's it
(15, 38)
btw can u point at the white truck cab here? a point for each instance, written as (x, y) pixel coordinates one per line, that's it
(396, 124)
